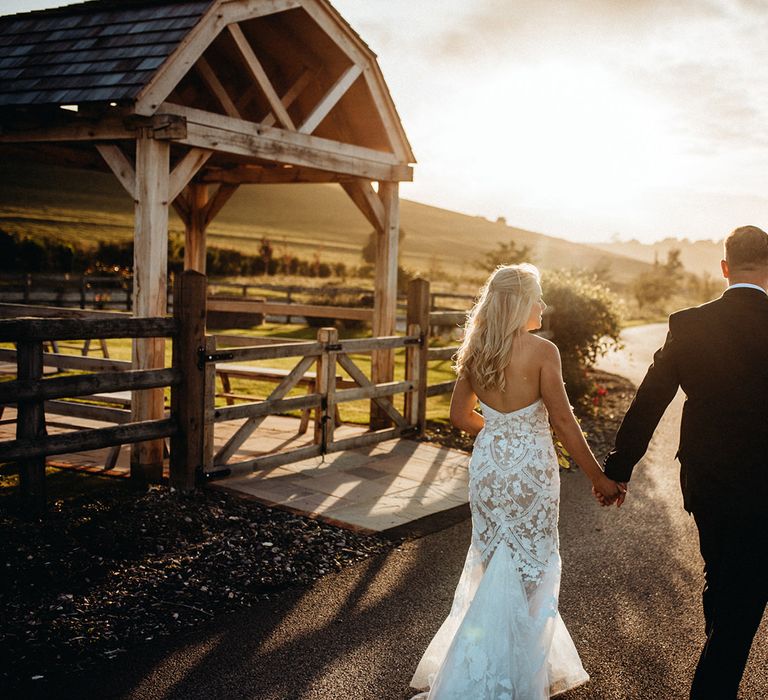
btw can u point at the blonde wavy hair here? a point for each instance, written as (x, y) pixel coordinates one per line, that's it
(493, 324)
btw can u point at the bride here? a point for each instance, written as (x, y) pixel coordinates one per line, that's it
(504, 638)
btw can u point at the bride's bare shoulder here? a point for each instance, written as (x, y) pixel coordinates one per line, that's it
(544, 348)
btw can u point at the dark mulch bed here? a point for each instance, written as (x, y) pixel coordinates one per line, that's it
(111, 568)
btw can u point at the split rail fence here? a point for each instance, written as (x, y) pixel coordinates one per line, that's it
(337, 379)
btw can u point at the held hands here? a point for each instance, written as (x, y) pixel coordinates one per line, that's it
(607, 491)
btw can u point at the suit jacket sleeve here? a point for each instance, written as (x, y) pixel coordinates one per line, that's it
(651, 400)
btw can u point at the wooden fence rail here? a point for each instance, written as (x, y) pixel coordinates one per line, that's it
(327, 366)
(253, 306)
(33, 395)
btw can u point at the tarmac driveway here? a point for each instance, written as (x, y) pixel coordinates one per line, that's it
(630, 597)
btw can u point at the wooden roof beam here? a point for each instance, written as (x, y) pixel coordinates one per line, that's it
(331, 99)
(335, 31)
(277, 150)
(260, 76)
(217, 88)
(367, 201)
(120, 165)
(183, 207)
(227, 135)
(217, 202)
(107, 129)
(356, 55)
(239, 11)
(256, 174)
(191, 48)
(185, 170)
(293, 92)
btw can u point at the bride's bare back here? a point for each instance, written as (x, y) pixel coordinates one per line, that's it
(522, 377)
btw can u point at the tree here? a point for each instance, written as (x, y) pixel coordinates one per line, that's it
(662, 282)
(266, 251)
(505, 254)
(369, 249)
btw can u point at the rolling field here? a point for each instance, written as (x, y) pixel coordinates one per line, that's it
(308, 220)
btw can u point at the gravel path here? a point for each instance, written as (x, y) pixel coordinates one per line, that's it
(630, 597)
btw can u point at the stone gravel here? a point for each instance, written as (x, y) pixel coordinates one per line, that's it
(101, 575)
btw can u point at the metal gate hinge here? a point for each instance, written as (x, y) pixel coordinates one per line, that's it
(204, 357)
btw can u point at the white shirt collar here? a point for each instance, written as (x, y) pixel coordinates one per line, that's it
(747, 284)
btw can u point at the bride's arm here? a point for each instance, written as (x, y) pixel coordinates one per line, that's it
(567, 427)
(463, 413)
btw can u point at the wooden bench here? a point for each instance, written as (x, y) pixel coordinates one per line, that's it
(84, 349)
(308, 379)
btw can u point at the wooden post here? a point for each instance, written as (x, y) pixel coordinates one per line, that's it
(30, 425)
(385, 293)
(188, 399)
(195, 227)
(150, 270)
(326, 386)
(414, 399)
(418, 315)
(209, 404)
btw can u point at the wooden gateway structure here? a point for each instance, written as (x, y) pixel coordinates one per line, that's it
(186, 100)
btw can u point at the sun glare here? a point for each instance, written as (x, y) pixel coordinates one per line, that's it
(574, 136)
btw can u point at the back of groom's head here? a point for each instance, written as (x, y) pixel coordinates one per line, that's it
(746, 249)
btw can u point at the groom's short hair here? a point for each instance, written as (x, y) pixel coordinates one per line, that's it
(746, 248)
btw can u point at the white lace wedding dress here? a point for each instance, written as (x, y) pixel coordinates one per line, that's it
(504, 638)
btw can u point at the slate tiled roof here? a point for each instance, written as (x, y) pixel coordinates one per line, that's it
(104, 50)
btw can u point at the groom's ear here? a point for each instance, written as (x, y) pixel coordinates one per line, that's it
(725, 269)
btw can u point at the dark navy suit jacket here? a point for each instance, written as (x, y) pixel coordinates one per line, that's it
(718, 354)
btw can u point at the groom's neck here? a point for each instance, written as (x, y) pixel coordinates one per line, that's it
(746, 278)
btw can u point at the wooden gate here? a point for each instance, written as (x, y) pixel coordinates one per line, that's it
(328, 388)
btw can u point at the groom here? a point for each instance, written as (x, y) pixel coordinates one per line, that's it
(718, 354)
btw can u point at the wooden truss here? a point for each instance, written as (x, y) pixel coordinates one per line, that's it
(167, 152)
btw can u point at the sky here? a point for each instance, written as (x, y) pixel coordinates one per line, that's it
(589, 120)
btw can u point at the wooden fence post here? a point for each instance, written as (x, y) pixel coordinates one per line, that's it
(30, 425)
(188, 398)
(209, 403)
(326, 386)
(413, 399)
(418, 314)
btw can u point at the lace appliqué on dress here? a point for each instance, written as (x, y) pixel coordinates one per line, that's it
(504, 638)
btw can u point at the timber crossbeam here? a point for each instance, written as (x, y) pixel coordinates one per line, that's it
(78, 329)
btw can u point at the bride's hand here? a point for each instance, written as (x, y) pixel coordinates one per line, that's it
(607, 491)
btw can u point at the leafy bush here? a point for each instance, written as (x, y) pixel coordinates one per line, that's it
(37, 255)
(585, 323)
(28, 254)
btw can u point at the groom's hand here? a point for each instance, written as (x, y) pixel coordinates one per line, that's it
(623, 494)
(618, 498)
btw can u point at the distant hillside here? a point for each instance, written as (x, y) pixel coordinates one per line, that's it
(308, 219)
(697, 256)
